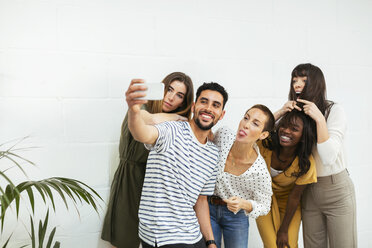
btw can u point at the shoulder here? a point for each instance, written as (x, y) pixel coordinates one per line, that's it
(173, 129)
(224, 133)
(336, 114)
(175, 124)
(337, 109)
(261, 150)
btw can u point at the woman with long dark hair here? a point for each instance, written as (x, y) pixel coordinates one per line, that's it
(120, 226)
(288, 157)
(328, 207)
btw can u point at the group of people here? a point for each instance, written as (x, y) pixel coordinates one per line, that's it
(178, 185)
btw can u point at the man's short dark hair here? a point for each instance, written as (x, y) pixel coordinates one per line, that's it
(213, 86)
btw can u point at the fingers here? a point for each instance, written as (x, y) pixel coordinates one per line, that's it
(289, 106)
(234, 198)
(303, 101)
(297, 107)
(232, 204)
(135, 90)
(232, 209)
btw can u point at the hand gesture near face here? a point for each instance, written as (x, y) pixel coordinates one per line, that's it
(289, 106)
(135, 90)
(311, 110)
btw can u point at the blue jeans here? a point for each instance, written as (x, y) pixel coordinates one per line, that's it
(233, 227)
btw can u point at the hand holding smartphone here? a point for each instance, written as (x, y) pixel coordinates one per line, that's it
(155, 91)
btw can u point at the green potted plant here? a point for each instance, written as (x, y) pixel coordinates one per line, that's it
(11, 195)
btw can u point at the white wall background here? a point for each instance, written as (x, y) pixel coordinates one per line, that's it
(65, 65)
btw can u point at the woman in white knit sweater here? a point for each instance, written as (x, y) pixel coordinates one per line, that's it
(328, 206)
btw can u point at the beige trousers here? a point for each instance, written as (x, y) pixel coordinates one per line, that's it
(329, 213)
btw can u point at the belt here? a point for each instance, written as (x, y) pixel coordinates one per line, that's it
(215, 200)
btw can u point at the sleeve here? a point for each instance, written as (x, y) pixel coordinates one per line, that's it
(167, 134)
(222, 135)
(208, 188)
(261, 202)
(336, 124)
(310, 176)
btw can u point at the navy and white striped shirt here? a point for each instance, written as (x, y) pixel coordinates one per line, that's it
(178, 170)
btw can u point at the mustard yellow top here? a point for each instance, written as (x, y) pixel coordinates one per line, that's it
(283, 183)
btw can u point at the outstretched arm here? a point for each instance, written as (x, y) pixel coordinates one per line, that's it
(141, 131)
(202, 213)
(153, 119)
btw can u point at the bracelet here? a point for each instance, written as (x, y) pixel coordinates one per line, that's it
(209, 242)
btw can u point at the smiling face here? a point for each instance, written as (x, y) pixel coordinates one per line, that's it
(290, 135)
(208, 109)
(174, 96)
(251, 126)
(298, 84)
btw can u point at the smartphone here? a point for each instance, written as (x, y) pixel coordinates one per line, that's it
(155, 91)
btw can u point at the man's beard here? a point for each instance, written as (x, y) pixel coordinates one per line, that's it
(205, 128)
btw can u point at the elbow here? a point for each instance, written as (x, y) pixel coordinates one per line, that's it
(136, 135)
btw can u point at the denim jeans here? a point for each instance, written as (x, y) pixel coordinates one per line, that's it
(233, 227)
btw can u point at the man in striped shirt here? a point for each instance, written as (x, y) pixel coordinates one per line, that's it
(181, 171)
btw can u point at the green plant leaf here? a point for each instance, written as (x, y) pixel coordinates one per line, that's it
(65, 187)
(6, 243)
(5, 199)
(43, 229)
(39, 188)
(5, 155)
(32, 233)
(7, 179)
(76, 182)
(58, 189)
(51, 236)
(57, 245)
(32, 199)
(49, 193)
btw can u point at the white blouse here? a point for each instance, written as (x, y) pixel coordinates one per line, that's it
(330, 156)
(253, 185)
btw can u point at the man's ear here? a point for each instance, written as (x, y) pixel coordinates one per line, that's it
(264, 135)
(222, 115)
(193, 107)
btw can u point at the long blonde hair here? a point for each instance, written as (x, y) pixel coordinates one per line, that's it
(185, 108)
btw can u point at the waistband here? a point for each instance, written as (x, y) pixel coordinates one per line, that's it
(216, 200)
(334, 178)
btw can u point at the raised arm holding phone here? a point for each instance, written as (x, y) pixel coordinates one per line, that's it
(180, 171)
(120, 226)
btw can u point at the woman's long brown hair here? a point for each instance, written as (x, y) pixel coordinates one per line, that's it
(315, 87)
(185, 108)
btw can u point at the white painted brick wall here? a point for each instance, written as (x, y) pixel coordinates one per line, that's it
(65, 66)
